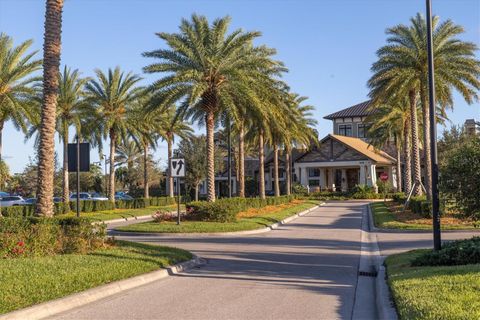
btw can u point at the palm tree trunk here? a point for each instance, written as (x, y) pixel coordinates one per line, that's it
(426, 142)
(399, 166)
(196, 192)
(261, 168)
(408, 157)
(241, 162)
(46, 149)
(275, 170)
(113, 141)
(169, 174)
(417, 173)
(66, 191)
(146, 186)
(210, 123)
(288, 170)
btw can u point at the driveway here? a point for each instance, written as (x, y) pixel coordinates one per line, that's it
(306, 269)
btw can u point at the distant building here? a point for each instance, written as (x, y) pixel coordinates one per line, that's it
(472, 127)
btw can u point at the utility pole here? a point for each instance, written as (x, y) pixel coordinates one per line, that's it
(437, 241)
(78, 175)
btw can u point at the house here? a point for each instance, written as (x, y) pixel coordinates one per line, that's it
(344, 158)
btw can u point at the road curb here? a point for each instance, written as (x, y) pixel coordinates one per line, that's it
(53, 307)
(383, 299)
(233, 233)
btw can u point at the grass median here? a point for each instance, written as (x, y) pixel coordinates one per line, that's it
(121, 213)
(446, 292)
(28, 281)
(249, 220)
(384, 217)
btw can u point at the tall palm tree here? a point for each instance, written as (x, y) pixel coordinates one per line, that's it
(403, 67)
(16, 67)
(71, 111)
(113, 95)
(206, 69)
(300, 132)
(172, 126)
(51, 64)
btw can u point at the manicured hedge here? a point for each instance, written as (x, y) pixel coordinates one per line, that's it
(226, 210)
(419, 205)
(89, 206)
(453, 253)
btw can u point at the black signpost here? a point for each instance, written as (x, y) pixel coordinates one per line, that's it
(177, 170)
(78, 161)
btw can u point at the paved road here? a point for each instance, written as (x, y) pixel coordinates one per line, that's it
(304, 270)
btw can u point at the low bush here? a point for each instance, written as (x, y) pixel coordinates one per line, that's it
(18, 211)
(226, 210)
(21, 237)
(453, 253)
(365, 192)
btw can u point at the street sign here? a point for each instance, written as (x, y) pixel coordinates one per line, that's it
(177, 167)
(384, 176)
(84, 157)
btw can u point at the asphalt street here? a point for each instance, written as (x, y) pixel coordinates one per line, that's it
(306, 269)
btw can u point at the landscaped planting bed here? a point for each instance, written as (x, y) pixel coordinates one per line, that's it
(390, 215)
(250, 219)
(436, 292)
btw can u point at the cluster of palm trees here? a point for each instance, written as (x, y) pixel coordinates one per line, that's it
(399, 91)
(208, 75)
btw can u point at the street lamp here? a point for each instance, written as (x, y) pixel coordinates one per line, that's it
(437, 242)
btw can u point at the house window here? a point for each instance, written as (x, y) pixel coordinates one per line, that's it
(345, 130)
(314, 183)
(313, 172)
(361, 131)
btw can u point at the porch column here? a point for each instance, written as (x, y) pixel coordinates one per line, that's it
(303, 176)
(323, 179)
(362, 175)
(331, 179)
(344, 180)
(372, 177)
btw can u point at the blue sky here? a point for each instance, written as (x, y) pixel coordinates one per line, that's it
(328, 45)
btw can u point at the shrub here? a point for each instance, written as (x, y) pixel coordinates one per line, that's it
(48, 236)
(299, 189)
(454, 253)
(226, 210)
(18, 211)
(399, 197)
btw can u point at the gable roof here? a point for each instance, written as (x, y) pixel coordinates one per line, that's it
(358, 110)
(296, 153)
(364, 148)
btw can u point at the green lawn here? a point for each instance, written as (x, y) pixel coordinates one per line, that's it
(121, 213)
(384, 218)
(243, 224)
(448, 292)
(28, 281)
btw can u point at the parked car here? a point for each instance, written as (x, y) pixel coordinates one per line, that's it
(123, 197)
(9, 201)
(4, 194)
(82, 196)
(57, 199)
(98, 197)
(31, 201)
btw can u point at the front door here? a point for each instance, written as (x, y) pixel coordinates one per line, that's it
(352, 178)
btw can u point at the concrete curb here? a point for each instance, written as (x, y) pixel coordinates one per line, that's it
(383, 299)
(223, 234)
(53, 307)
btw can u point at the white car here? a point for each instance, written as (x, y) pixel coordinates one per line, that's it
(98, 197)
(83, 196)
(10, 201)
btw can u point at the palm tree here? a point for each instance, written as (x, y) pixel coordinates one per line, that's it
(71, 111)
(113, 95)
(15, 85)
(51, 64)
(206, 69)
(403, 66)
(300, 132)
(172, 126)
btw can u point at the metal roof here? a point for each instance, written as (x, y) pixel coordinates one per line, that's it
(358, 110)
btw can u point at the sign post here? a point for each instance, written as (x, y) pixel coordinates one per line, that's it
(78, 161)
(177, 170)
